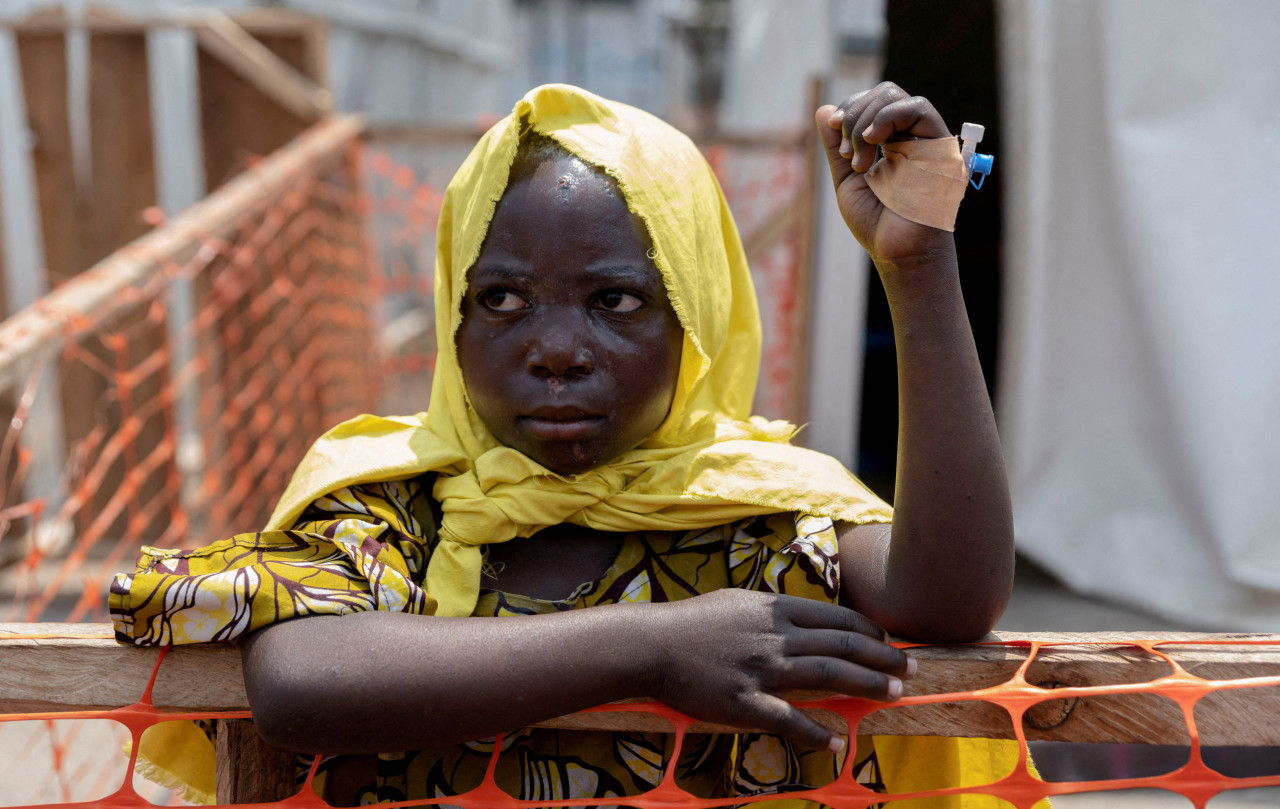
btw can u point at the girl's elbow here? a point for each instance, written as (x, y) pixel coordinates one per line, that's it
(286, 699)
(944, 631)
(963, 628)
(978, 616)
(962, 620)
(974, 606)
(284, 714)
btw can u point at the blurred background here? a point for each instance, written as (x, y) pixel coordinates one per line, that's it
(1119, 265)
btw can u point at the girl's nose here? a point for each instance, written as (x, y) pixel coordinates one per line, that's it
(560, 350)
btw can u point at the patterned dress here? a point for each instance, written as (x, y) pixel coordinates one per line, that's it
(366, 547)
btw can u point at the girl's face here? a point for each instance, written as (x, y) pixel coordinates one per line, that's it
(569, 346)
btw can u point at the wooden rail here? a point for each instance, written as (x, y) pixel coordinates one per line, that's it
(435, 134)
(75, 667)
(52, 668)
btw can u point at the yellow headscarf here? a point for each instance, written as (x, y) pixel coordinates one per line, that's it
(707, 464)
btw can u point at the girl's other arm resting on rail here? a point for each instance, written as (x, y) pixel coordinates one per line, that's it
(384, 681)
(945, 570)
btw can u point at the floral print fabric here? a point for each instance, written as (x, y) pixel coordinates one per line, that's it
(366, 547)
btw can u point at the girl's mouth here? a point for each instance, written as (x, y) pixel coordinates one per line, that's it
(571, 428)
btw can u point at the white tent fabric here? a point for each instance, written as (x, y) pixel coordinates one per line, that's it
(1140, 392)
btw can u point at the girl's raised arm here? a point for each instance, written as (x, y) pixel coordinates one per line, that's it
(944, 571)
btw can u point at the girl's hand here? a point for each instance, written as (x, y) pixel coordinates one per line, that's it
(730, 656)
(850, 134)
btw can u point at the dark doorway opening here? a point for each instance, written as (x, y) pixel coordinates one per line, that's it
(947, 53)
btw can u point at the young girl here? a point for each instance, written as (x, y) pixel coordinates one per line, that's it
(422, 584)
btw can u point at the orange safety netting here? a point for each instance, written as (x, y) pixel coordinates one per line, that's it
(171, 409)
(178, 433)
(769, 189)
(1195, 780)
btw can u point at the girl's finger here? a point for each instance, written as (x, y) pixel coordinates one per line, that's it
(775, 715)
(820, 615)
(913, 116)
(828, 120)
(851, 107)
(859, 117)
(841, 676)
(853, 647)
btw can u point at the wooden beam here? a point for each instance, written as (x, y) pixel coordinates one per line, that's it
(431, 31)
(104, 19)
(248, 769)
(256, 64)
(74, 667)
(366, 18)
(80, 667)
(40, 331)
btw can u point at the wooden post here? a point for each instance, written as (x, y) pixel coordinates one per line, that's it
(82, 226)
(23, 283)
(806, 249)
(9, 462)
(249, 769)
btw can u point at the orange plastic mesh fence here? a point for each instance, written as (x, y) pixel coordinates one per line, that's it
(766, 187)
(1196, 780)
(165, 396)
(182, 433)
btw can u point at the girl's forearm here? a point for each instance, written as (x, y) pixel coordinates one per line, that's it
(949, 568)
(383, 682)
(380, 681)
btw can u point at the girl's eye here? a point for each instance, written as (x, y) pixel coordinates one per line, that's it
(617, 301)
(502, 300)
